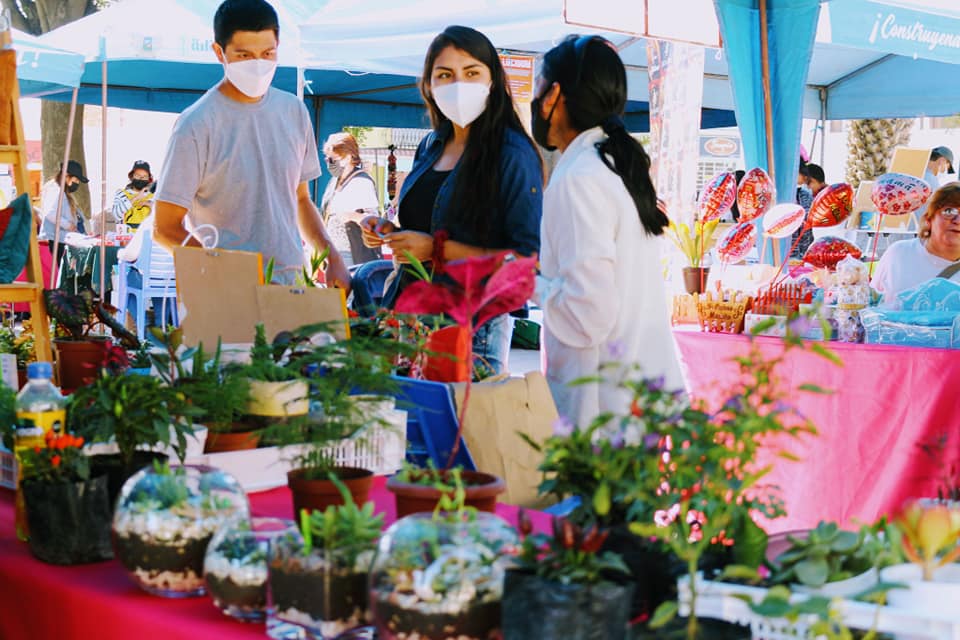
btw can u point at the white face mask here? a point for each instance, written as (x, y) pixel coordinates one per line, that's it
(251, 77)
(462, 102)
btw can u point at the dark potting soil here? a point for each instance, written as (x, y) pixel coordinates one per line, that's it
(135, 552)
(322, 595)
(480, 622)
(227, 593)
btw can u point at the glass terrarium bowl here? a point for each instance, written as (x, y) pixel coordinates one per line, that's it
(441, 577)
(235, 566)
(318, 593)
(165, 518)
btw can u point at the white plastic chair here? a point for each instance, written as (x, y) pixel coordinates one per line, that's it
(155, 265)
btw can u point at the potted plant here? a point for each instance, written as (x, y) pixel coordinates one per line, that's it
(68, 510)
(276, 392)
(318, 577)
(235, 565)
(21, 344)
(140, 360)
(79, 354)
(440, 575)
(693, 244)
(930, 532)
(136, 414)
(421, 489)
(829, 561)
(558, 590)
(349, 381)
(472, 291)
(164, 520)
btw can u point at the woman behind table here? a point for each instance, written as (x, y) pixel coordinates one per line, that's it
(71, 217)
(936, 252)
(601, 285)
(477, 177)
(350, 196)
(133, 203)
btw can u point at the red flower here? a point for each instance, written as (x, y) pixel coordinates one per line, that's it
(55, 461)
(37, 449)
(635, 409)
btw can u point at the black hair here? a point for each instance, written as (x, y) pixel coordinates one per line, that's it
(477, 188)
(734, 209)
(593, 82)
(243, 15)
(815, 172)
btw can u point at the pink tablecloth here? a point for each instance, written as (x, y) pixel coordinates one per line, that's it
(866, 460)
(41, 602)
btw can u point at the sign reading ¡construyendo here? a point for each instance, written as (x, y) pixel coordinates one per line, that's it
(719, 146)
(889, 28)
(519, 70)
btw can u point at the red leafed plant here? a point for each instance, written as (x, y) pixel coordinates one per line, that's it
(473, 291)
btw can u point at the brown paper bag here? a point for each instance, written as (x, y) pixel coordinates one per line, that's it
(218, 288)
(497, 411)
(284, 308)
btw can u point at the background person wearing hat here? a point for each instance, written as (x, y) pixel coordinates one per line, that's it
(71, 217)
(133, 203)
(941, 162)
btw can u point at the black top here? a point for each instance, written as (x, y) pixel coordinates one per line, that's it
(416, 208)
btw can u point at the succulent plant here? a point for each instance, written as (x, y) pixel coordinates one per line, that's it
(827, 554)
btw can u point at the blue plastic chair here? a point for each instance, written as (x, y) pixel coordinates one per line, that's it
(431, 423)
(158, 280)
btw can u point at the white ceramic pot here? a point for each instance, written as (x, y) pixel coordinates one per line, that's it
(279, 399)
(934, 596)
(841, 588)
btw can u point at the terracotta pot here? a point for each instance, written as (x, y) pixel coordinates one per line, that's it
(233, 440)
(319, 494)
(482, 491)
(692, 279)
(78, 361)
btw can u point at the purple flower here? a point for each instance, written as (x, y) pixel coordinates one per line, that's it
(616, 350)
(656, 384)
(651, 441)
(616, 440)
(563, 427)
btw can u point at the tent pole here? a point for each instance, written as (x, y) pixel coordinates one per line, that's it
(767, 98)
(823, 122)
(63, 183)
(103, 173)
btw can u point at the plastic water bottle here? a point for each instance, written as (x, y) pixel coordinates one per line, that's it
(40, 408)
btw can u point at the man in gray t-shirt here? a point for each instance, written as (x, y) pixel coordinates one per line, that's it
(242, 156)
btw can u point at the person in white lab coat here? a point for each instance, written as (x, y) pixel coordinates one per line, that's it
(601, 284)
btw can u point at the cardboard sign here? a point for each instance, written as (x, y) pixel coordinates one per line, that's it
(284, 308)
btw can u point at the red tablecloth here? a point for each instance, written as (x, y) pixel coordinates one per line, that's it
(41, 602)
(866, 461)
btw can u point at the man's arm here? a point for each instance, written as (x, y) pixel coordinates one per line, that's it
(168, 228)
(308, 219)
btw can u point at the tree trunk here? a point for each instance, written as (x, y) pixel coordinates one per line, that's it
(54, 117)
(870, 145)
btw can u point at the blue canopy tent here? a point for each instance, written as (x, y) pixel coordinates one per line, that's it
(42, 69)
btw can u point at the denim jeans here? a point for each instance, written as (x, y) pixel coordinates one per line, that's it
(491, 344)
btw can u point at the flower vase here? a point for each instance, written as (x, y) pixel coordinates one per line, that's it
(695, 279)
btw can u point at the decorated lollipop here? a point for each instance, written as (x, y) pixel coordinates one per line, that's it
(827, 252)
(718, 196)
(756, 194)
(782, 220)
(832, 206)
(737, 242)
(896, 194)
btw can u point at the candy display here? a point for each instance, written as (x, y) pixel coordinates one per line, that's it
(736, 244)
(832, 206)
(782, 220)
(896, 194)
(827, 252)
(756, 194)
(718, 196)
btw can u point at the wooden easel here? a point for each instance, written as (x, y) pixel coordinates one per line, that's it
(31, 291)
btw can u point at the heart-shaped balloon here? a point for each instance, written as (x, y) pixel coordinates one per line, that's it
(827, 252)
(737, 242)
(832, 206)
(756, 194)
(718, 196)
(782, 220)
(895, 194)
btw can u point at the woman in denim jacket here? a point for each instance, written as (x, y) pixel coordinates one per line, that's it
(476, 182)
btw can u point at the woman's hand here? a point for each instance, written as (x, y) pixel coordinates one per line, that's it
(373, 230)
(415, 243)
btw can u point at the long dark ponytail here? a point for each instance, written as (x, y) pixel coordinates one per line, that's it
(593, 82)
